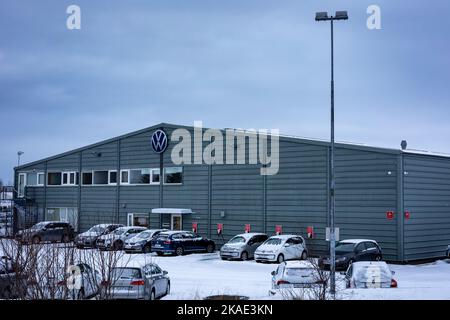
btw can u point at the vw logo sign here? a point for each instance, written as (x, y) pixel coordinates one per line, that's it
(159, 141)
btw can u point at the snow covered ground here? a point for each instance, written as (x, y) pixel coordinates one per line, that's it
(196, 276)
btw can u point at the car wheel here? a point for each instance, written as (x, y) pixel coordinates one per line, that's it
(244, 256)
(36, 240)
(179, 251)
(304, 255)
(210, 248)
(168, 288)
(378, 258)
(152, 295)
(223, 258)
(280, 258)
(65, 238)
(147, 249)
(117, 245)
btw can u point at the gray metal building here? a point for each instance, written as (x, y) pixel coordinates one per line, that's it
(397, 197)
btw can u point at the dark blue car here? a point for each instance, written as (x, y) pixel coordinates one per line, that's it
(180, 243)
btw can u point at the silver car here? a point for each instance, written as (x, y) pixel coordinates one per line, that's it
(141, 282)
(116, 239)
(242, 246)
(142, 242)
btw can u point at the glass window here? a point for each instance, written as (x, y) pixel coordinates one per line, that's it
(141, 176)
(124, 177)
(173, 175)
(87, 178)
(31, 179)
(22, 183)
(155, 176)
(112, 177)
(40, 178)
(54, 179)
(100, 177)
(65, 178)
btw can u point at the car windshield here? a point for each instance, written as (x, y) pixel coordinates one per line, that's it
(40, 225)
(273, 241)
(96, 229)
(298, 272)
(126, 273)
(372, 273)
(237, 239)
(119, 231)
(144, 235)
(344, 247)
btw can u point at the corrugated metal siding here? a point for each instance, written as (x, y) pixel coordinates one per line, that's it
(427, 198)
(297, 195)
(364, 192)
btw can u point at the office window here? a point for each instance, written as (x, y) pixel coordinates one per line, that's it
(124, 176)
(40, 179)
(31, 179)
(173, 175)
(155, 176)
(87, 178)
(112, 177)
(140, 176)
(54, 178)
(69, 178)
(100, 177)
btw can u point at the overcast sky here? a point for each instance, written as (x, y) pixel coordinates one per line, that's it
(234, 63)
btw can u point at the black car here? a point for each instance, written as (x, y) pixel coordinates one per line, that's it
(181, 242)
(351, 250)
(53, 231)
(89, 238)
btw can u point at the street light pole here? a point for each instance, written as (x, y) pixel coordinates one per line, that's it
(323, 16)
(19, 153)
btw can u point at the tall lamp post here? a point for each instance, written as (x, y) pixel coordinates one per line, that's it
(19, 154)
(323, 16)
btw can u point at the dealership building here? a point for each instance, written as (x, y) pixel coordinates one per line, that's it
(399, 198)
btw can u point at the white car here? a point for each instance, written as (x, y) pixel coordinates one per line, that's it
(281, 248)
(294, 274)
(84, 283)
(369, 274)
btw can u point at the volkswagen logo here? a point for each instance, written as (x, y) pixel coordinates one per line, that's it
(159, 141)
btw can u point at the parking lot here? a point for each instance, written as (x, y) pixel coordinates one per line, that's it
(196, 276)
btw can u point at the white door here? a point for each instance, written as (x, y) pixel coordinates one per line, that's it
(176, 222)
(22, 183)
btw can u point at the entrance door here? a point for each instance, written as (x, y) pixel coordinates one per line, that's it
(176, 222)
(22, 183)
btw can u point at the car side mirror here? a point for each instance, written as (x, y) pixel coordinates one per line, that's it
(165, 272)
(273, 273)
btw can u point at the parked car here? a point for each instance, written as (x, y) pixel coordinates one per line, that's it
(139, 282)
(89, 238)
(280, 248)
(242, 246)
(369, 274)
(116, 239)
(352, 250)
(12, 286)
(181, 242)
(294, 274)
(448, 252)
(54, 231)
(142, 242)
(87, 283)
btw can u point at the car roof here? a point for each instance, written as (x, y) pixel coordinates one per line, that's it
(298, 264)
(285, 236)
(249, 235)
(361, 264)
(356, 241)
(131, 227)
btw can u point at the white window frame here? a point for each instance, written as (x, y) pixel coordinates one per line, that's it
(54, 185)
(109, 177)
(172, 184)
(21, 193)
(151, 176)
(120, 178)
(43, 179)
(130, 218)
(92, 178)
(171, 221)
(69, 173)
